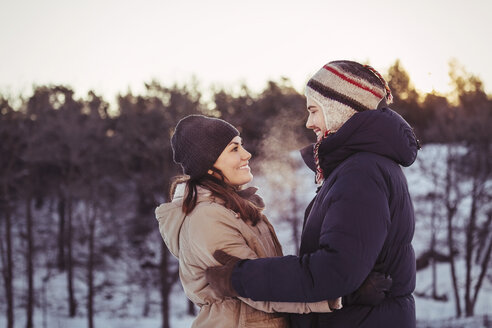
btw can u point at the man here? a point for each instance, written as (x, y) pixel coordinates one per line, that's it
(361, 219)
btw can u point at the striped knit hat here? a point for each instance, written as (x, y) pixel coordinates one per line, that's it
(343, 88)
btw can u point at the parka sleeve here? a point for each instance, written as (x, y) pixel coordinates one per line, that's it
(355, 223)
(214, 227)
(294, 307)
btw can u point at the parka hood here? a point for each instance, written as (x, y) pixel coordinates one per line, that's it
(171, 217)
(381, 131)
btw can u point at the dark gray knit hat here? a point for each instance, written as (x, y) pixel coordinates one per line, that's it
(198, 141)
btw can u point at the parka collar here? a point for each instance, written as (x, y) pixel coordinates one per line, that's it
(380, 131)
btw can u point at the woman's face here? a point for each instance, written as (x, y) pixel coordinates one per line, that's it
(233, 163)
(316, 119)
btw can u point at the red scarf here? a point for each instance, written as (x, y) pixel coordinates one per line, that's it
(319, 172)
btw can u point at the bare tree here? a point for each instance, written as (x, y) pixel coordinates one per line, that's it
(10, 151)
(466, 186)
(29, 262)
(143, 130)
(475, 118)
(429, 206)
(452, 200)
(168, 278)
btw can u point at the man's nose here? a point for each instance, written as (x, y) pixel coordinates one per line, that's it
(309, 122)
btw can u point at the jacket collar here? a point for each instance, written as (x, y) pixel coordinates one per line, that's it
(381, 131)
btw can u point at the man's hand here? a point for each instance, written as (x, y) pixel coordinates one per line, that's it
(372, 291)
(219, 277)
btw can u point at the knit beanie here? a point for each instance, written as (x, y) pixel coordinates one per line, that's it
(343, 88)
(198, 141)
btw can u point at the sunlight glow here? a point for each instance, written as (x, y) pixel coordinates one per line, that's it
(111, 46)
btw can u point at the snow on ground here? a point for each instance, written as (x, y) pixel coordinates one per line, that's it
(430, 314)
(57, 319)
(431, 310)
(474, 322)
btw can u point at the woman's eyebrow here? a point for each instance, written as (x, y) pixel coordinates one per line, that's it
(233, 143)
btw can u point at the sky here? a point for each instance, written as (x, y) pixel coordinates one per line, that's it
(112, 46)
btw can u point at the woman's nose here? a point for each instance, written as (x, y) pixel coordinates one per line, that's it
(246, 154)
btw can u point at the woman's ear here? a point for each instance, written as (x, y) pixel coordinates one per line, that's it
(210, 172)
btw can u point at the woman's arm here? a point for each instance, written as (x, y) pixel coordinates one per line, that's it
(294, 307)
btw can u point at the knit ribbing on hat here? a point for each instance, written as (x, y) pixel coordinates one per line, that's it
(198, 141)
(341, 92)
(332, 83)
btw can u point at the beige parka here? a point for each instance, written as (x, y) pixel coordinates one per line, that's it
(194, 238)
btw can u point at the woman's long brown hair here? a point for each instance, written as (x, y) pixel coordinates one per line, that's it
(247, 210)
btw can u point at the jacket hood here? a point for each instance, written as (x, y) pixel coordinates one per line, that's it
(381, 131)
(171, 217)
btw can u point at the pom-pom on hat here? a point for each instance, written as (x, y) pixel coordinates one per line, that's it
(198, 141)
(343, 88)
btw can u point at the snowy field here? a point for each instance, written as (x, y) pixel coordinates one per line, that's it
(430, 314)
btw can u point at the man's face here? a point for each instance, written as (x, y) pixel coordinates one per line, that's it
(316, 119)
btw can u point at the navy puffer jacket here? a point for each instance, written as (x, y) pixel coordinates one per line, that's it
(361, 218)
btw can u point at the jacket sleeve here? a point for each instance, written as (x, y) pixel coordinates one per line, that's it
(294, 307)
(356, 218)
(215, 228)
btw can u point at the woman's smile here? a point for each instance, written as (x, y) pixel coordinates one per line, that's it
(245, 167)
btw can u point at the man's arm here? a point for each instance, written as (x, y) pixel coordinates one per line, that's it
(352, 235)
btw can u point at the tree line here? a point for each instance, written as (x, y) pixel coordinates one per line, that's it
(79, 182)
